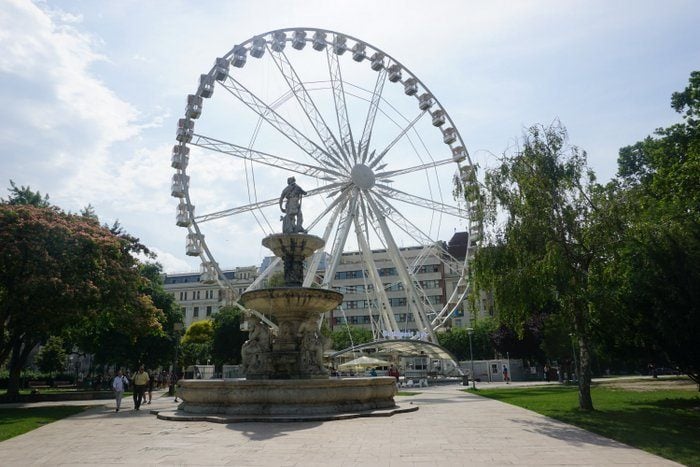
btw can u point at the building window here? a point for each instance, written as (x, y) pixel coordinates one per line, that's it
(349, 275)
(183, 296)
(195, 312)
(196, 295)
(208, 311)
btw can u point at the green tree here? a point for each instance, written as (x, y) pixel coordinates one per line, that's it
(657, 258)
(24, 195)
(57, 271)
(456, 340)
(539, 203)
(346, 336)
(228, 337)
(52, 356)
(197, 342)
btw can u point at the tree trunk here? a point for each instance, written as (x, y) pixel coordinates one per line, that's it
(15, 367)
(18, 359)
(585, 402)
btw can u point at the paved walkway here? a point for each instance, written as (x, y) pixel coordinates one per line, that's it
(451, 428)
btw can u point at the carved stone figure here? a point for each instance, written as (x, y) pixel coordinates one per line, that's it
(311, 348)
(256, 350)
(293, 219)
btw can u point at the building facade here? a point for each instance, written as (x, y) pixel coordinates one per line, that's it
(437, 280)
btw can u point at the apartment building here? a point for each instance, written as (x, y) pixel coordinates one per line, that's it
(436, 277)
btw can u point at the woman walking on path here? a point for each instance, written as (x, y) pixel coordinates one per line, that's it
(119, 384)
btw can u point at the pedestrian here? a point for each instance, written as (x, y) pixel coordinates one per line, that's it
(119, 385)
(151, 383)
(505, 374)
(547, 377)
(393, 371)
(140, 382)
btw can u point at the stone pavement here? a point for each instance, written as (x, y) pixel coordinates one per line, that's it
(451, 428)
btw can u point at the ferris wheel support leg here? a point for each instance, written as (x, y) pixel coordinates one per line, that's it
(385, 311)
(412, 298)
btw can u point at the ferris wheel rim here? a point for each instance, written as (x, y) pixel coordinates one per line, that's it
(437, 320)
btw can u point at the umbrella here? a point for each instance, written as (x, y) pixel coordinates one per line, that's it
(363, 362)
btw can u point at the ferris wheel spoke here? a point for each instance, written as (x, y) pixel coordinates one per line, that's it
(398, 219)
(363, 146)
(271, 160)
(260, 204)
(275, 120)
(341, 108)
(450, 262)
(413, 298)
(307, 104)
(418, 201)
(373, 161)
(415, 168)
(340, 238)
(386, 313)
(339, 205)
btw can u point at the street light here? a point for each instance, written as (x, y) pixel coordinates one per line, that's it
(177, 327)
(471, 356)
(573, 352)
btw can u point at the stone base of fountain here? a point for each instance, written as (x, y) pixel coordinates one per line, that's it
(228, 401)
(285, 375)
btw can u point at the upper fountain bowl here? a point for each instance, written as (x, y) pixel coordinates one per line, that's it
(297, 245)
(292, 302)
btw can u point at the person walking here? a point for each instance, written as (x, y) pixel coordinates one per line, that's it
(505, 374)
(119, 385)
(393, 371)
(151, 383)
(140, 383)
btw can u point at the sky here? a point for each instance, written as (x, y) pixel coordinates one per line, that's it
(91, 90)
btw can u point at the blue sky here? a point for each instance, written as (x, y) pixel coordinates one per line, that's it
(92, 90)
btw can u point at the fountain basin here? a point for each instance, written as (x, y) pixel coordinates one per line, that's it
(296, 303)
(298, 245)
(287, 397)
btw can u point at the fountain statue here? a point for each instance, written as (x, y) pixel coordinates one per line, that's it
(285, 374)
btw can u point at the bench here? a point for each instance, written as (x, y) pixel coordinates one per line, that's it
(38, 385)
(63, 384)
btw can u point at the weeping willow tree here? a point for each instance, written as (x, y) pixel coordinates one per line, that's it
(539, 207)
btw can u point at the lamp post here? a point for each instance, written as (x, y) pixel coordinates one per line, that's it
(177, 327)
(471, 356)
(573, 353)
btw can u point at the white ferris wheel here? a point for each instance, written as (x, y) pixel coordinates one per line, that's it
(372, 146)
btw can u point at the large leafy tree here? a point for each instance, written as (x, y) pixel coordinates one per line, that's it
(112, 342)
(228, 337)
(456, 340)
(52, 356)
(58, 270)
(197, 342)
(346, 336)
(657, 266)
(539, 204)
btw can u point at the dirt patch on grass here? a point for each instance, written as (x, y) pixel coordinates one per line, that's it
(650, 384)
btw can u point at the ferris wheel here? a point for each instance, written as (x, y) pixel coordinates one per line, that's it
(372, 147)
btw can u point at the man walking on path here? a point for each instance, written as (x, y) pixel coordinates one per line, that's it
(119, 385)
(505, 374)
(140, 382)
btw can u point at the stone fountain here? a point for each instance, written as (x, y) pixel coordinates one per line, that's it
(285, 376)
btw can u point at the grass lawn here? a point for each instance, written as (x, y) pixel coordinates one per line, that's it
(665, 422)
(14, 422)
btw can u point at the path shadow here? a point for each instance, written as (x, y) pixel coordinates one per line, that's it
(564, 432)
(262, 431)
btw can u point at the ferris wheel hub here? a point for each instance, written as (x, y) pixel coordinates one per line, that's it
(362, 176)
